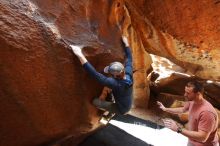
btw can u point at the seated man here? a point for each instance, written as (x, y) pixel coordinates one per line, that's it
(120, 82)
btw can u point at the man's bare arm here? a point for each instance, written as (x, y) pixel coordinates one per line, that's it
(177, 110)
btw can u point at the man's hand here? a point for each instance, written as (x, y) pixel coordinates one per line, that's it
(77, 50)
(161, 106)
(125, 41)
(170, 124)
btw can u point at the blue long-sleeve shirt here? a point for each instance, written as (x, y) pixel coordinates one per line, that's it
(121, 89)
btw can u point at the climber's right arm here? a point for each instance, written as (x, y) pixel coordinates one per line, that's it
(78, 52)
(109, 82)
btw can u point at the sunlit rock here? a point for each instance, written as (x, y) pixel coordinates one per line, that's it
(45, 93)
(186, 32)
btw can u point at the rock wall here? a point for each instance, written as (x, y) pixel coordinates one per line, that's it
(186, 32)
(45, 93)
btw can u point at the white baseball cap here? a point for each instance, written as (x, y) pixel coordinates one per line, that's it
(115, 68)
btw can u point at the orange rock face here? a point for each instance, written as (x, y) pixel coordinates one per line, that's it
(45, 93)
(186, 32)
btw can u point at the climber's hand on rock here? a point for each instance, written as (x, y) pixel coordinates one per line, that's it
(77, 50)
(125, 40)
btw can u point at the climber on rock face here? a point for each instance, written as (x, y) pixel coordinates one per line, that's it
(120, 82)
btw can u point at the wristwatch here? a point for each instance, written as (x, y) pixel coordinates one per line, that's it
(179, 130)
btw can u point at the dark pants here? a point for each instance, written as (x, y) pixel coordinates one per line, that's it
(106, 106)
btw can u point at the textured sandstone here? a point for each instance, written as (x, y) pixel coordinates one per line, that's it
(46, 95)
(186, 32)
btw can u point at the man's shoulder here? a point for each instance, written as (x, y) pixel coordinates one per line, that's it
(208, 105)
(208, 108)
(127, 82)
(110, 79)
